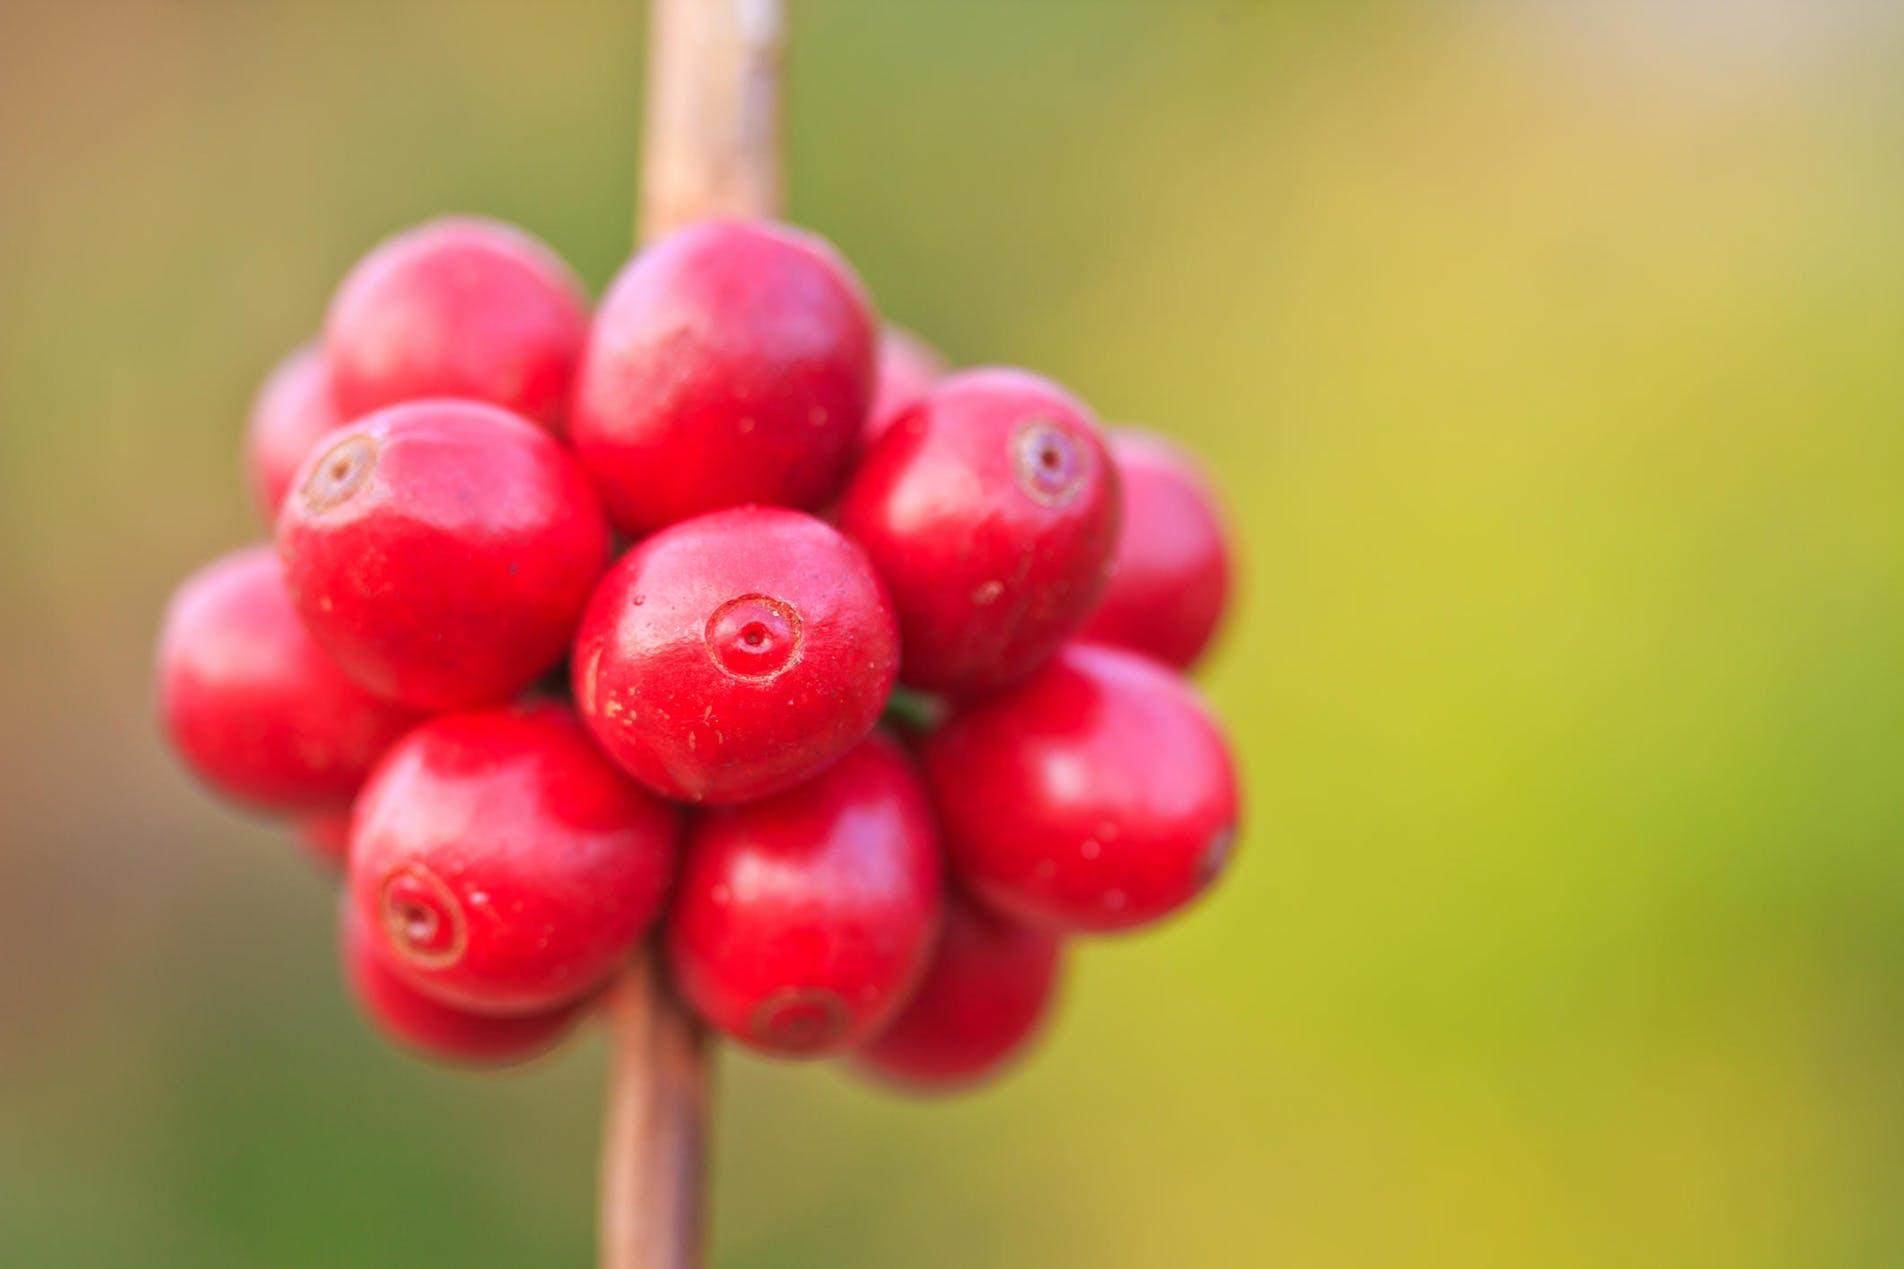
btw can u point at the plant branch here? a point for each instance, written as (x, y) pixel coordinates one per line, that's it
(712, 148)
(654, 1132)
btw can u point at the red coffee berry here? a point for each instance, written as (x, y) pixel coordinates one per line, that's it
(252, 704)
(442, 551)
(293, 411)
(1170, 575)
(802, 922)
(735, 654)
(502, 864)
(907, 369)
(458, 307)
(979, 1005)
(730, 363)
(990, 509)
(325, 836)
(433, 1029)
(1097, 795)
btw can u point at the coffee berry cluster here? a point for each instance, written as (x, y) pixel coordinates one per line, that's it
(715, 613)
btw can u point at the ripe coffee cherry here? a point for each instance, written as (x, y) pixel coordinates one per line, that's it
(991, 510)
(433, 1029)
(1097, 795)
(442, 551)
(250, 701)
(730, 363)
(458, 307)
(1171, 573)
(802, 922)
(907, 371)
(325, 836)
(293, 411)
(979, 1005)
(502, 865)
(735, 654)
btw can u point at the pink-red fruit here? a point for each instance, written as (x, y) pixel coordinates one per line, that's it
(432, 1029)
(1097, 795)
(502, 865)
(802, 922)
(990, 509)
(252, 704)
(293, 411)
(1170, 576)
(730, 363)
(458, 307)
(986, 991)
(907, 370)
(442, 551)
(325, 836)
(735, 654)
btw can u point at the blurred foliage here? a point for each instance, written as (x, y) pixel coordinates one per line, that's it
(1548, 357)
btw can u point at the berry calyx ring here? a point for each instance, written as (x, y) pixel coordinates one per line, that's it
(754, 637)
(422, 918)
(1051, 466)
(344, 469)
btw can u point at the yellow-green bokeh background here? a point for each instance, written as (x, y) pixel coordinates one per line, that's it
(1551, 359)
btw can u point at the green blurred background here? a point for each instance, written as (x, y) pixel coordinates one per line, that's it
(1551, 358)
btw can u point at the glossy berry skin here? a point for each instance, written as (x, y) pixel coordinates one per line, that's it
(802, 922)
(502, 864)
(907, 370)
(730, 363)
(980, 1004)
(1170, 577)
(735, 654)
(990, 509)
(442, 551)
(435, 1030)
(252, 704)
(292, 412)
(458, 307)
(1097, 795)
